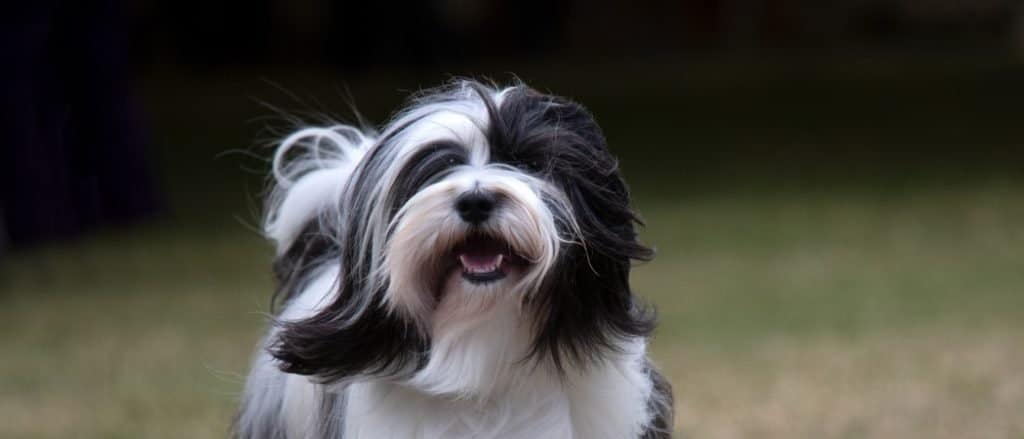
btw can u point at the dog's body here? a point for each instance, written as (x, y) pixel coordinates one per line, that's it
(463, 274)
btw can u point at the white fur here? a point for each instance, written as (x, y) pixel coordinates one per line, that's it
(427, 225)
(305, 185)
(607, 402)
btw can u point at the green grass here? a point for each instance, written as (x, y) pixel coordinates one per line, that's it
(843, 264)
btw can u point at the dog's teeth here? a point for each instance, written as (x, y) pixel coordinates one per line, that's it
(475, 268)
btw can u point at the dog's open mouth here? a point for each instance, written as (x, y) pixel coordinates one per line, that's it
(484, 259)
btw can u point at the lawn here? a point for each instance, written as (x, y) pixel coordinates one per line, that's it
(785, 316)
(822, 303)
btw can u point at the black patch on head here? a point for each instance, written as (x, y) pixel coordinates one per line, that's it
(586, 305)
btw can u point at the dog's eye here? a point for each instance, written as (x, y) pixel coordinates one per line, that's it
(439, 155)
(531, 165)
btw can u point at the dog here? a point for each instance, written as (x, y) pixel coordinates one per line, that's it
(462, 273)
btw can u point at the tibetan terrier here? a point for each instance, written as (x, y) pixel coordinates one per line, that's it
(463, 273)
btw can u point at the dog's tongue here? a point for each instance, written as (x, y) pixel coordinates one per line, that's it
(482, 255)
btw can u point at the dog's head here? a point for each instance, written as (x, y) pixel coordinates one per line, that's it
(481, 230)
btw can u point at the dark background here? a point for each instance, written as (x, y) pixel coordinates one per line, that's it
(120, 111)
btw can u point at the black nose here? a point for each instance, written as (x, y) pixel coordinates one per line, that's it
(475, 207)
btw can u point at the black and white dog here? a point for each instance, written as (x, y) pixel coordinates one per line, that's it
(463, 273)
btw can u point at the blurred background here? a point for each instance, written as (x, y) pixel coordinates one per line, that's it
(835, 191)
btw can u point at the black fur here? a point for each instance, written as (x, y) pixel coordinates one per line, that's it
(427, 166)
(661, 405)
(373, 343)
(586, 305)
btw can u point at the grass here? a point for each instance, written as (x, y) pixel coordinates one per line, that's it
(782, 316)
(838, 257)
(934, 383)
(843, 316)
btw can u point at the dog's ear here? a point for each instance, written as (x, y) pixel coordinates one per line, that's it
(348, 338)
(586, 306)
(312, 220)
(352, 335)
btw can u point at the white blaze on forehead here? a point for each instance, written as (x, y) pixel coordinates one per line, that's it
(462, 129)
(462, 122)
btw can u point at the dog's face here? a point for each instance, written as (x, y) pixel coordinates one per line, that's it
(481, 229)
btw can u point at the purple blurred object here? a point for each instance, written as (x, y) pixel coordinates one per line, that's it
(74, 156)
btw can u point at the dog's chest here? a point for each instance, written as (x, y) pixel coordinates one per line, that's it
(385, 411)
(607, 404)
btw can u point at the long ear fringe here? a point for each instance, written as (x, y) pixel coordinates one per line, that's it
(370, 342)
(309, 171)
